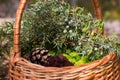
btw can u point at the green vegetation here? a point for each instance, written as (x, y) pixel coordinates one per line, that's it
(63, 29)
(6, 37)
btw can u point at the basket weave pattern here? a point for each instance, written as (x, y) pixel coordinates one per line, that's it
(107, 68)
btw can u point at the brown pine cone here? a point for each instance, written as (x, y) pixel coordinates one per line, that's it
(39, 56)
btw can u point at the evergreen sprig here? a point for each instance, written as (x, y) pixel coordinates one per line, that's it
(58, 27)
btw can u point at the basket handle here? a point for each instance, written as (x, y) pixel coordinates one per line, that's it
(97, 9)
(18, 23)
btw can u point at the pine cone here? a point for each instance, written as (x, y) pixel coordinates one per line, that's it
(39, 56)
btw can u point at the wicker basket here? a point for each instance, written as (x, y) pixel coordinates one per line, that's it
(107, 68)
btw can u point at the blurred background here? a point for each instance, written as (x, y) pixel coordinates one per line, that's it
(110, 8)
(110, 14)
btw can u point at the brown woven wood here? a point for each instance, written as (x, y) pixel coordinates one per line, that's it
(107, 68)
(97, 9)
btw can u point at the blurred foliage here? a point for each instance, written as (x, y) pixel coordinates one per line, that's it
(113, 14)
(110, 9)
(107, 5)
(32, 1)
(1, 1)
(6, 37)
